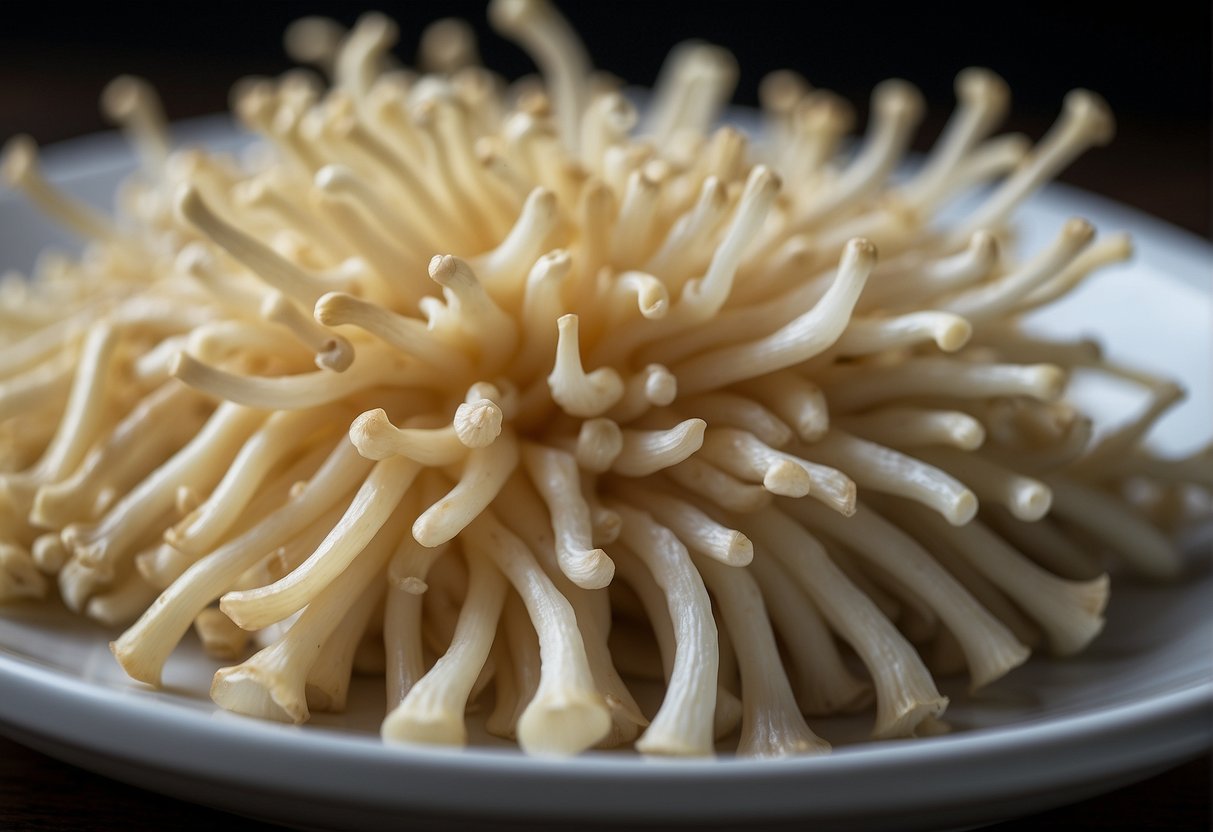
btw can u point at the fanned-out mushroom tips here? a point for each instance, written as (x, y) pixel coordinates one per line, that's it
(612, 427)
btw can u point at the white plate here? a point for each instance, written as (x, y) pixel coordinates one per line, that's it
(1050, 733)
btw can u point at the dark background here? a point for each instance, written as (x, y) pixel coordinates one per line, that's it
(1153, 66)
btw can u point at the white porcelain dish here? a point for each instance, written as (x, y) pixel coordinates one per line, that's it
(1052, 732)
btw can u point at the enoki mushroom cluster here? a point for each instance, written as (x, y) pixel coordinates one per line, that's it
(515, 397)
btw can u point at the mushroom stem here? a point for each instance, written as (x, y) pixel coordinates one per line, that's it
(567, 714)
(374, 504)
(146, 645)
(718, 486)
(432, 711)
(19, 168)
(1085, 122)
(273, 683)
(905, 692)
(702, 534)
(732, 410)
(134, 105)
(1070, 612)
(371, 368)
(109, 543)
(646, 452)
(279, 436)
(333, 352)
(883, 469)
(377, 438)
(989, 647)
(131, 450)
(548, 38)
(912, 427)
(1116, 526)
(822, 682)
(259, 258)
(579, 393)
(771, 724)
(798, 341)
(554, 474)
(983, 99)
(850, 392)
(484, 473)
(683, 724)
(524, 513)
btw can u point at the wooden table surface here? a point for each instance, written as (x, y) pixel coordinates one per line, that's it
(1159, 167)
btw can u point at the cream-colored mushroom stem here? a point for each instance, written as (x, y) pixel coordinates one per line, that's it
(799, 341)
(698, 530)
(280, 273)
(221, 638)
(885, 470)
(153, 429)
(896, 108)
(990, 648)
(519, 641)
(553, 44)
(523, 511)
(1085, 122)
(1071, 612)
(1026, 498)
(905, 692)
(1117, 526)
(143, 649)
(296, 392)
(164, 564)
(656, 610)
(694, 81)
(795, 399)
(86, 406)
(567, 713)
(732, 410)
(272, 684)
(484, 473)
(849, 390)
(719, 487)
(105, 545)
(577, 392)
(984, 99)
(742, 454)
(820, 678)
(402, 625)
(374, 505)
(683, 724)
(377, 438)
(910, 427)
(19, 575)
(122, 602)
(771, 724)
(433, 709)
(328, 681)
(20, 169)
(281, 434)
(915, 277)
(556, 477)
(46, 383)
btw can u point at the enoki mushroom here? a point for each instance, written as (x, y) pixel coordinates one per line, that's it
(510, 395)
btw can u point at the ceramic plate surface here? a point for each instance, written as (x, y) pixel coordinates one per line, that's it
(1051, 732)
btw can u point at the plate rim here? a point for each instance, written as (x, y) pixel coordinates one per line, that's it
(1155, 730)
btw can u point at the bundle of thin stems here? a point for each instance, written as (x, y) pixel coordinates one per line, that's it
(514, 397)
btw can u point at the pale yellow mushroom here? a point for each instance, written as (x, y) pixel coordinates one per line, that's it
(483, 385)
